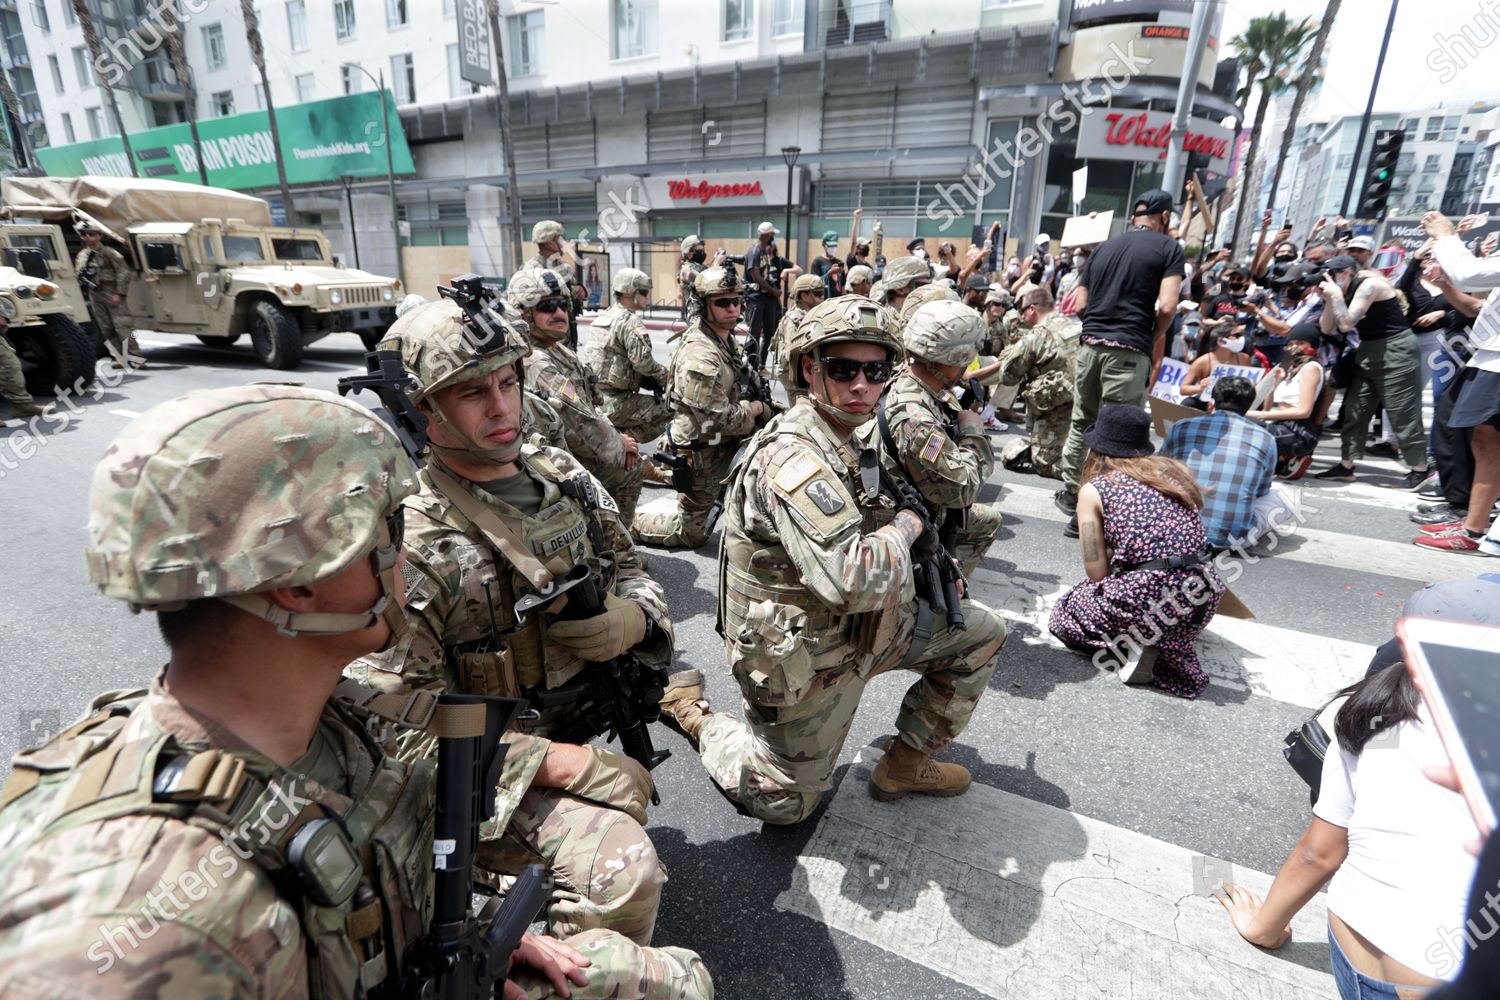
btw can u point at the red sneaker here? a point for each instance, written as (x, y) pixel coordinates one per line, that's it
(1454, 541)
(1441, 529)
(1296, 468)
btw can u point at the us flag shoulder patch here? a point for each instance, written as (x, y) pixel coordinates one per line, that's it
(934, 446)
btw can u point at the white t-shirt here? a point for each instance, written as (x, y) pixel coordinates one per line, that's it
(1405, 883)
(1290, 391)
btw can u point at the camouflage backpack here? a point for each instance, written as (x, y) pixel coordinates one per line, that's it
(1050, 391)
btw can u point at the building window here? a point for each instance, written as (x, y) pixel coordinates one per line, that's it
(304, 87)
(1450, 129)
(213, 46)
(739, 19)
(84, 70)
(354, 80)
(68, 127)
(296, 24)
(395, 13)
(1434, 125)
(343, 19)
(457, 85)
(1432, 164)
(526, 44)
(403, 78)
(222, 103)
(39, 14)
(786, 18)
(96, 123)
(635, 28)
(56, 68)
(69, 17)
(448, 10)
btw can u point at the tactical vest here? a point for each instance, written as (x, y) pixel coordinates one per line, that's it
(359, 910)
(605, 354)
(709, 359)
(493, 652)
(777, 632)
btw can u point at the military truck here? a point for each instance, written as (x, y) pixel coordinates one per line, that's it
(209, 263)
(41, 300)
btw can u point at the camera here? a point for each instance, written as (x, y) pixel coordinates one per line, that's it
(735, 258)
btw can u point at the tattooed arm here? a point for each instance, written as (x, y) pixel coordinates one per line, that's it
(1346, 316)
(1091, 533)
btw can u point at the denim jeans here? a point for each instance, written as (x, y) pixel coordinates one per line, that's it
(1354, 985)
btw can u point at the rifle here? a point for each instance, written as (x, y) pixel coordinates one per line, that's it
(934, 572)
(753, 385)
(386, 376)
(653, 385)
(460, 956)
(619, 697)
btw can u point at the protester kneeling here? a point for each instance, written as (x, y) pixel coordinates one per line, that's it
(1151, 587)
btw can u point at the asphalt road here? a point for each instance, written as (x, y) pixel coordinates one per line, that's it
(1188, 780)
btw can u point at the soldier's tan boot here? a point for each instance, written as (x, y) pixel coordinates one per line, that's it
(27, 409)
(683, 706)
(904, 771)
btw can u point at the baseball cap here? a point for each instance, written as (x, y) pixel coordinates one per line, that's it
(1153, 202)
(830, 238)
(1043, 238)
(766, 227)
(1343, 262)
(977, 283)
(1362, 243)
(1474, 601)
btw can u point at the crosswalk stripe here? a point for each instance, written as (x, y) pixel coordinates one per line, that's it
(1308, 544)
(1013, 897)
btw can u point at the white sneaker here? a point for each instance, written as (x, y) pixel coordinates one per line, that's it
(1138, 669)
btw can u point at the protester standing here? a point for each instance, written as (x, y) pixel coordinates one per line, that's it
(1127, 295)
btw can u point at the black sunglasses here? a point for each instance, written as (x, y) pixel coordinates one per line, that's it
(551, 305)
(726, 302)
(846, 369)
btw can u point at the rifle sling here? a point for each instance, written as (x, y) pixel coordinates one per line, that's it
(417, 709)
(505, 539)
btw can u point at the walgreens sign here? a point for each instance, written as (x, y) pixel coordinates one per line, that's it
(704, 192)
(730, 189)
(1123, 134)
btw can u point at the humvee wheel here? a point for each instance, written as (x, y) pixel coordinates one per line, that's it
(55, 357)
(276, 335)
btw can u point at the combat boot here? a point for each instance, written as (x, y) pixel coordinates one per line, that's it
(683, 707)
(27, 409)
(904, 770)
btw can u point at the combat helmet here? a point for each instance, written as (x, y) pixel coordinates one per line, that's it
(848, 318)
(533, 284)
(545, 231)
(902, 272)
(628, 279)
(443, 343)
(718, 281)
(224, 493)
(944, 332)
(923, 295)
(807, 283)
(688, 242)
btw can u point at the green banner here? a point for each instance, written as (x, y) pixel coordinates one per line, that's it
(320, 141)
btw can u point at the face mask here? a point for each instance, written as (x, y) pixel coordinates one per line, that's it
(1236, 344)
(699, 256)
(919, 253)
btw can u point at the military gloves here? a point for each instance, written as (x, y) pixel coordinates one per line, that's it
(613, 779)
(606, 635)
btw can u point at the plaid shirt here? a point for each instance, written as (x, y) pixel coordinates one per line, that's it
(1233, 459)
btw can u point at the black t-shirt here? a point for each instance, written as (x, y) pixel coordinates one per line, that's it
(820, 265)
(763, 257)
(1123, 277)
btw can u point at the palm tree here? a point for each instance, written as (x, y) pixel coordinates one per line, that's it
(96, 57)
(258, 54)
(1271, 48)
(173, 32)
(1307, 81)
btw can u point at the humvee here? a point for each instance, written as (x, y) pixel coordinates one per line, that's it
(40, 297)
(208, 263)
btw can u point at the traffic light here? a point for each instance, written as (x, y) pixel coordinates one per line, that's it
(1376, 189)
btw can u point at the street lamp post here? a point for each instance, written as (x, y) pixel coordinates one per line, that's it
(789, 154)
(349, 203)
(390, 171)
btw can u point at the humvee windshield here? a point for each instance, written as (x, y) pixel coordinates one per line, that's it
(243, 248)
(287, 248)
(42, 243)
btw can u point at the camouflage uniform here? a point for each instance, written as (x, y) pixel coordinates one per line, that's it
(620, 355)
(145, 823)
(709, 422)
(814, 602)
(554, 372)
(917, 433)
(112, 277)
(687, 279)
(465, 579)
(12, 376)
(1049, 347)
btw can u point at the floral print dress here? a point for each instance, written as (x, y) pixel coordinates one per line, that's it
(1149, 607)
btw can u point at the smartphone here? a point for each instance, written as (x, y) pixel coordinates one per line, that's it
(1457, 669)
